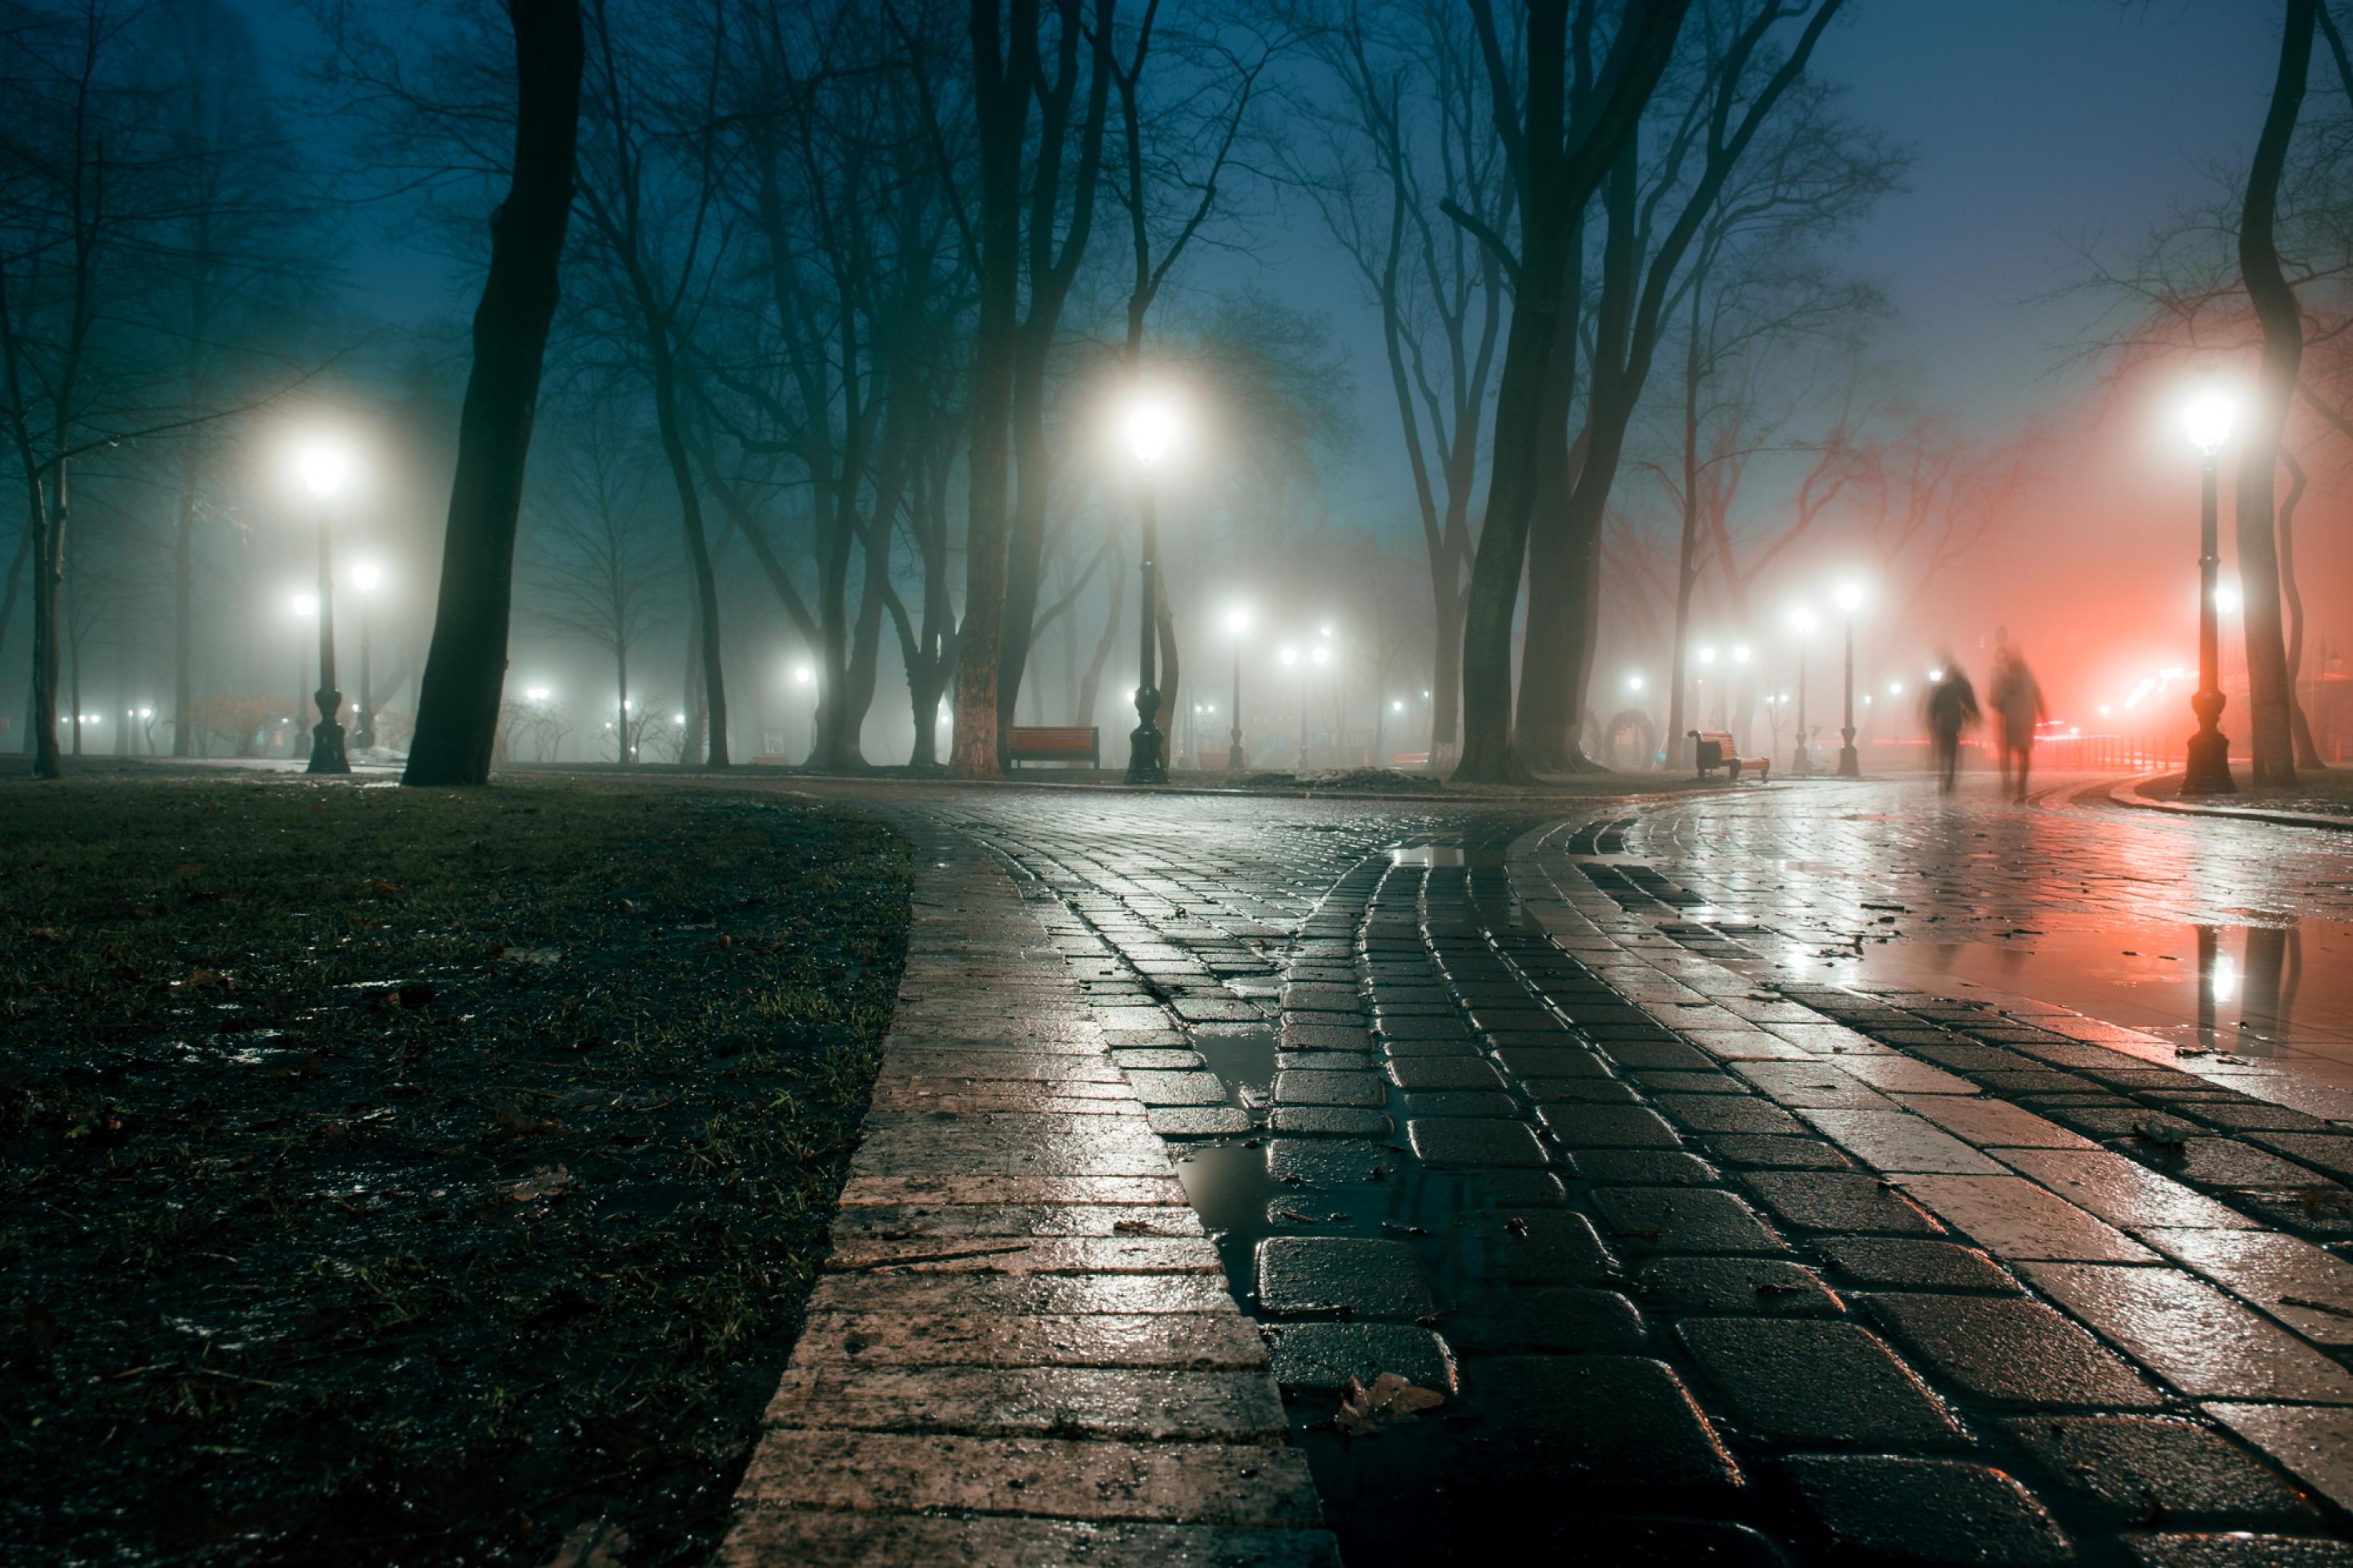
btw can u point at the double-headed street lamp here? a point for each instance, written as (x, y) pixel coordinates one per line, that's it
(1150, 425)
(1237, 622)
(2207, 417)
(1849, 762)
(366, 577)
(325, 465)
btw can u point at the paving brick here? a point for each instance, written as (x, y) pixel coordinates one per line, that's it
(2308, 1289)
(1442, 1072)
(2226, 1162)
(1608, 1127)
(1356, 1088)
(835, 1539)
(1656, 1081)
(1733, 1286)
(1299, 1275)
(889, 1472)
(1895, 1510)
(1609, 1425)
(1200, 1122)
(1900, 1143)
(1730, 1113)
(2312, 1443)
(1457, 1143)
(1911, 1264)
(1849, 1200)
(2192, 1335)
(1537, 1062)
(1796, 1380)
(1778, 1153)
(1331, 1163)
(1123, 1403)
(1901, 1074)
(1812, 1086)
(1560, 1319)
(1537, 1249)
(1461, 1102)
(2121, 1191)
(1991, 1124)
(1330, 1120)
(2011, 1217)
(2327, 1152)
(2235, 1550)
(2150, 1466)
(1580, 1091)
(2010, 1349)
(1327, 1356)
(1683, 1219)
(1645, 1168)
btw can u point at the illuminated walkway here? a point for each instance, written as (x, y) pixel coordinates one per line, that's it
(1753, 1176)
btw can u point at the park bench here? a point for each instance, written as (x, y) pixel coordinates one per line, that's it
(1714, 750)
(1055, 743)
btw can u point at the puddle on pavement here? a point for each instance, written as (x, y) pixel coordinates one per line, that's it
(1442, 856)
(2277, 998)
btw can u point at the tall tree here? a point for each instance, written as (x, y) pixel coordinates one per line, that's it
(2269, 690)
(465, 666)
(1572, 129)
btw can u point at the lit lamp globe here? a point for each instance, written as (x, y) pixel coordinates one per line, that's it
(2207, 418)
(1238, 621)
(1151, 428)
(368, 576)
(1850, 596)
(304, 603)
(323, 465)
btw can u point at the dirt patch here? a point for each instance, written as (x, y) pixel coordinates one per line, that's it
(393, 1176)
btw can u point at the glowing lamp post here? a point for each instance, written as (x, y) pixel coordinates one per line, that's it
(366, 577)
(323, 465)
(2207, 418)
(1237, 622)
(1290, 656)
(1803, 623)
(1849, 762)
(1150, 424)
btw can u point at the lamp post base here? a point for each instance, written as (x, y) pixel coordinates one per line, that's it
(1143, 742)
(1237, 760)
(1800, 764)
(2205, 768)
(1849, 762)
(327, 749)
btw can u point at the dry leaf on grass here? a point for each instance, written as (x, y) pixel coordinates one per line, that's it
(1392, 1399)
(544, 1182)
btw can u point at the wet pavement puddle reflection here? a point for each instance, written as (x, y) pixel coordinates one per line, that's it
(2275, 1000)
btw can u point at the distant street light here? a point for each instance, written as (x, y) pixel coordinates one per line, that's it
(1803, 623)
(1151, 426)
(2207, 418)
(1848, 596)
(1237, 622)
(323, 464)
(537, 694)
(1633, 683)
(366, 577)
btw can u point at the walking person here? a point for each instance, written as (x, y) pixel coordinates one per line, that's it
(1952, 707)
(2018, 708)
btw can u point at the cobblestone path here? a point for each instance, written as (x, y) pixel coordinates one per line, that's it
(1716, 1251)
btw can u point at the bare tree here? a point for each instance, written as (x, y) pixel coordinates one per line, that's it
(465, 666)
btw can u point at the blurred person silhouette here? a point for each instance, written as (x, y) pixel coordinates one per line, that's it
(1952, 707)
(2018, 708)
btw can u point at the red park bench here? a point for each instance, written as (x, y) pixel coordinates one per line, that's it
(1714, 750)
(1055, 743)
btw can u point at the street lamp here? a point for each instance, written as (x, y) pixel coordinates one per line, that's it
(1290, 656)
(323, 464)
(1848, 596)
(1237, 622)
(2207, 418)
(366, 577)
(1151, 422)
(1803, 623)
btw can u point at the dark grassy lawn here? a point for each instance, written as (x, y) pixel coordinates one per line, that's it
(414, 1178)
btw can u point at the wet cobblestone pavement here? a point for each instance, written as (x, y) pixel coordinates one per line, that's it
(1719, 1242)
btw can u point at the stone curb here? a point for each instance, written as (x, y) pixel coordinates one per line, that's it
(2128, 794)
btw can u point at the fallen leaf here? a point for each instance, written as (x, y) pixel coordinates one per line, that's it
(384, 887)
(517, 1124)
(2150, 1130)
(1392, 1399)
(591, 1543)
(544, 1182)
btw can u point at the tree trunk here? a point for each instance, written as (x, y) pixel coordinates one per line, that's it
(2307, 752)
(2275, 303)
(183, 608)
(1165, 619)
(1552, 648)
(1091, 686)
(50, 515)
(1001, 98)
(465, 667)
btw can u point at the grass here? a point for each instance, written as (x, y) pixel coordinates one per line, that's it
(402, 1177)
